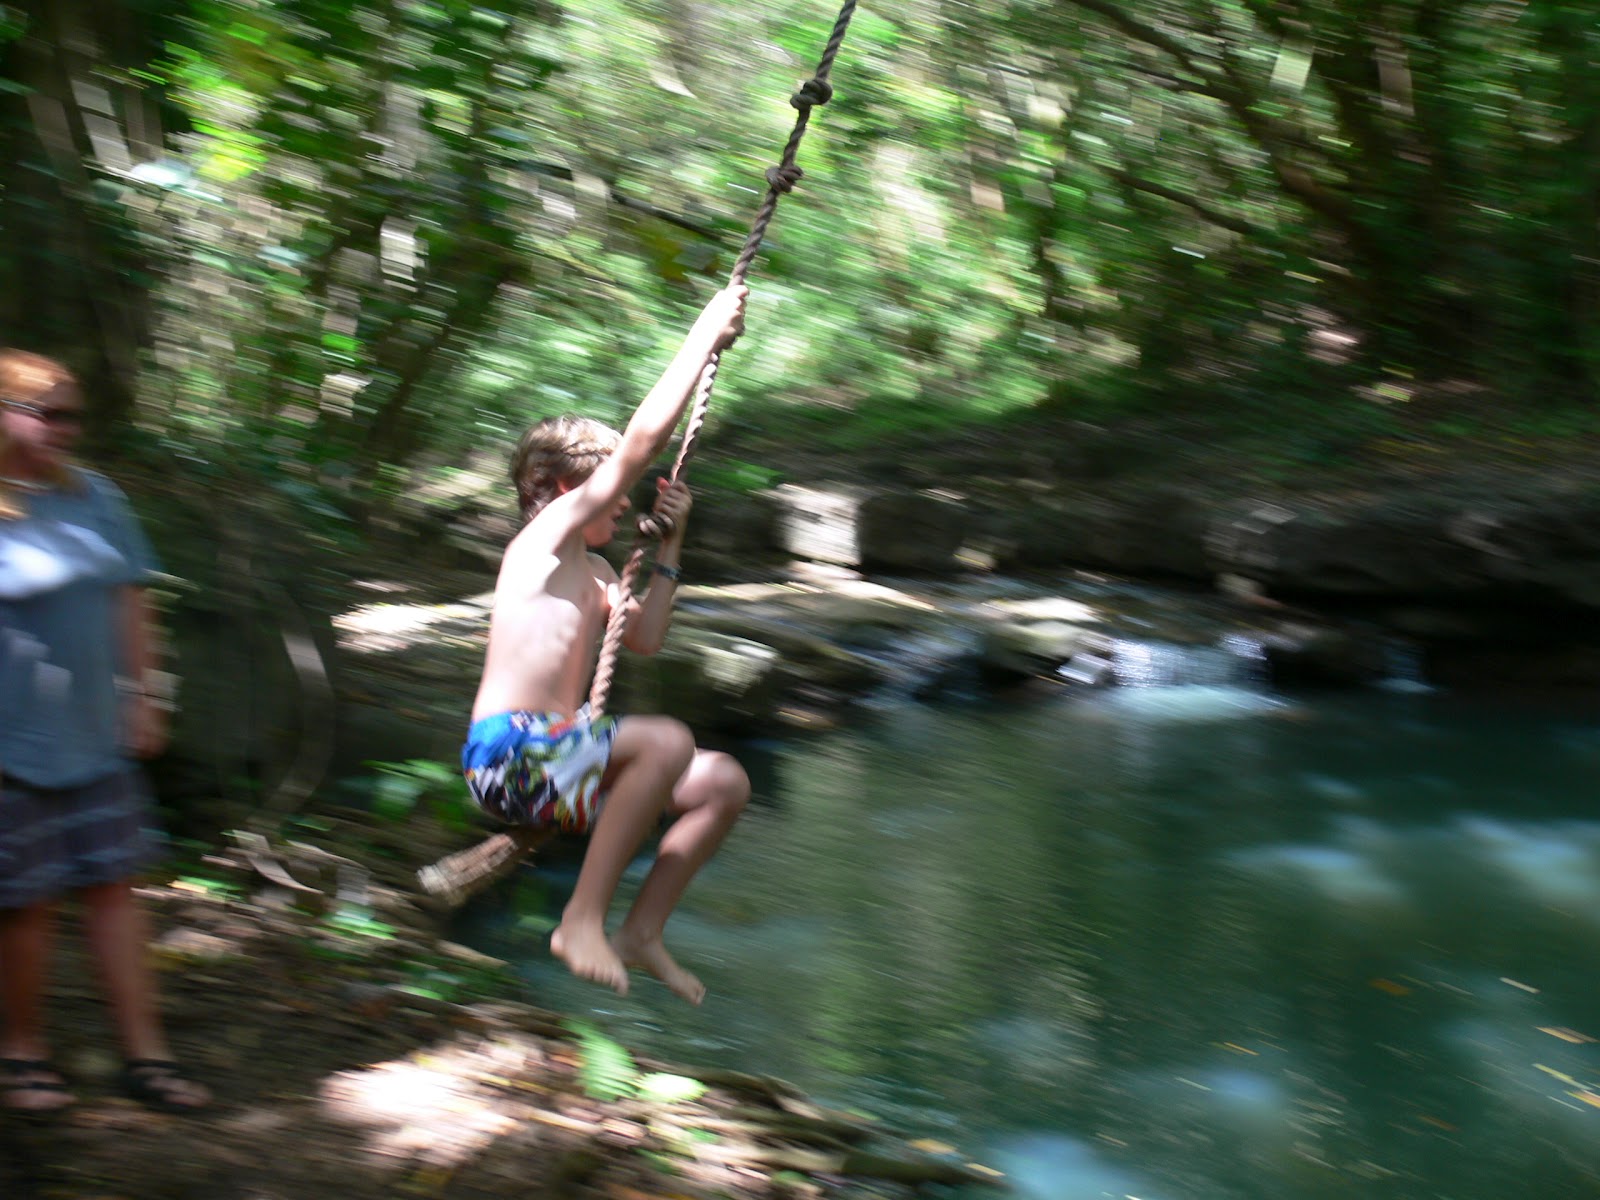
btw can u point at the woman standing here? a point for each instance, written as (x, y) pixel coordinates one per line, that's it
(76, 706)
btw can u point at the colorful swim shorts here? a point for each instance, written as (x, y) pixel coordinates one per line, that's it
(540, 769)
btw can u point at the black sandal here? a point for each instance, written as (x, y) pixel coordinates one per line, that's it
(15, 1081)
(158, 1083)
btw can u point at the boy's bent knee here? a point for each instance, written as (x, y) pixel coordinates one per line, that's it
(677, 743)
(726, 780)
(665, 740)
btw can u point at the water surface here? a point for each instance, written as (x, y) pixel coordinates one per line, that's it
(1195, 941)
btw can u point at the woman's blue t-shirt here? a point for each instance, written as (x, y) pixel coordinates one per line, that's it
(61, 568)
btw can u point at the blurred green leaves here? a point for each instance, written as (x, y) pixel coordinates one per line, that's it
(400, 788)
(608, 1072)
(335, 240)
(607, 1069)
(13, 23)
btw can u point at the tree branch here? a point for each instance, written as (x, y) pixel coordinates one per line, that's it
(1216, 216)
(1234, 93)
(1149, 34)
(623, 200)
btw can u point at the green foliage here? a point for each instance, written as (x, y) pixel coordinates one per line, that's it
(347, 242)
(454, 981)
(401, 786)
(737, 476)
(13, 23)
(607, 1071)
(224, 889)
(359, 922)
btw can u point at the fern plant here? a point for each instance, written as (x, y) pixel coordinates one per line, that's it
(607, 1069)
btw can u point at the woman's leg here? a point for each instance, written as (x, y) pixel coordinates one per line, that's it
(119, 936)
(25, 935)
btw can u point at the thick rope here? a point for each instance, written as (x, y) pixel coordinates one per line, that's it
(780, 181)
(455, 878)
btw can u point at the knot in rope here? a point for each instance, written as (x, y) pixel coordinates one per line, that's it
(783, 178)
(655, 525)
(812, 92)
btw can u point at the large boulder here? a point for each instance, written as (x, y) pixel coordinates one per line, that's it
(713, 681)
(407, 673)
(1539, 548)
(1024, 638)
(1157, 531)
(877, 528)
(1386, 548)
(732, 534)
(1302, 653)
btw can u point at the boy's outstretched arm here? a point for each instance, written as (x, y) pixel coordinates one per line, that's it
(649, 430)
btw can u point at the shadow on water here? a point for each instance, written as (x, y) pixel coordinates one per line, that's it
(1189, 939)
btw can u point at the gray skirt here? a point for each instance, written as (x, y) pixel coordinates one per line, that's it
(58, 840)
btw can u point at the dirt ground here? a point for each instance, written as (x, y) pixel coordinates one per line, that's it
(337, 1074)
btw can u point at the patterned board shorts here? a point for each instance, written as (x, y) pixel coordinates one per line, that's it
(540, 769)
(58, 840)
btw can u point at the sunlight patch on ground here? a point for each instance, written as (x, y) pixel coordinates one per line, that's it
(435, 1107)
(380, 627)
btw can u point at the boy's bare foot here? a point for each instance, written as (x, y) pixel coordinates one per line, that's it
(649, 954)
(589, 955)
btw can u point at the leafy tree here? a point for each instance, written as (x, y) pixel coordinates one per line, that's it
(321, 240)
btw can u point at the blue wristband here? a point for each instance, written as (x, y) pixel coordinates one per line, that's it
(666, 572)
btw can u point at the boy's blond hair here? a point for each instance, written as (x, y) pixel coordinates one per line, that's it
(556, 451)
(24, 378)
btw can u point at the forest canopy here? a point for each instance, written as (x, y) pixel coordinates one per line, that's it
(330, 238)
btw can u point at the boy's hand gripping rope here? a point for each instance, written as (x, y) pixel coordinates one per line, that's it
(455, 878)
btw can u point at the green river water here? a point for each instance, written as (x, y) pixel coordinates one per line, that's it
(1195, 941)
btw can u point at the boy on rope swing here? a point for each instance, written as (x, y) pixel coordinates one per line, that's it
(533, 755)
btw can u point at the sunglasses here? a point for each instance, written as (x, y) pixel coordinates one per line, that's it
(50, 416)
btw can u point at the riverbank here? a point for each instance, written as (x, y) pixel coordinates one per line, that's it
(355, 1054)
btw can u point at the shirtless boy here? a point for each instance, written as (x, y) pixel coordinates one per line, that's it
(533, 755)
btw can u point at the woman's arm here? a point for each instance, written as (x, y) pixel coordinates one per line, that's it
(144, 712)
